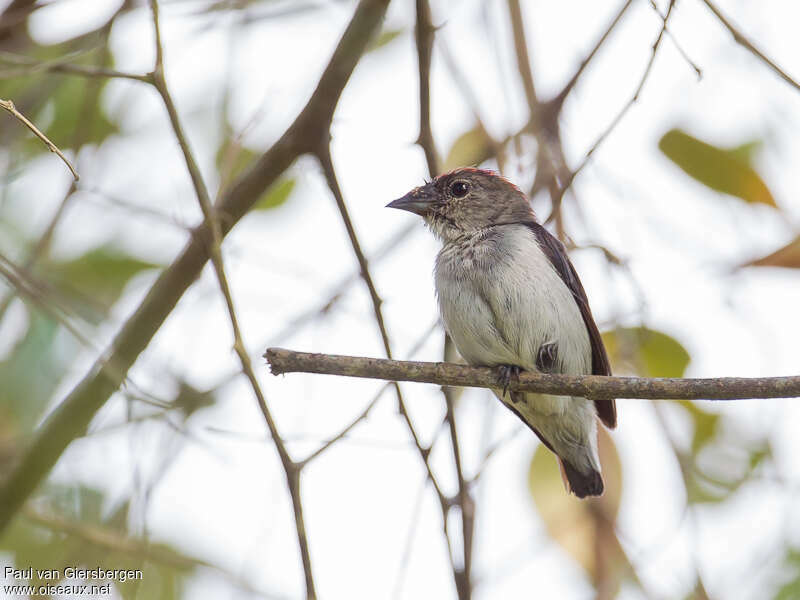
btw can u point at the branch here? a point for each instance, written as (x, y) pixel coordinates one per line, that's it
(324, 156)
(9, 106)
(746, 43)
(73, 415)
(628, 105)
(424, 38)
(587, 386)
(585, 62)
(31, 65)
(291, 470)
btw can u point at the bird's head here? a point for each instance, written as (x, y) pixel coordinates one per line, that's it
(466, 201)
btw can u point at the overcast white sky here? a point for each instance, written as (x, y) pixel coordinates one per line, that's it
(224, 498)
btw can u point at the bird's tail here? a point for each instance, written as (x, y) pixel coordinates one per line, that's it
(581, 484)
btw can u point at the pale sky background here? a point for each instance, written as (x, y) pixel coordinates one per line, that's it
(223, 497)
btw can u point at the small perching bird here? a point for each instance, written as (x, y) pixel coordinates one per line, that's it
(510, 298)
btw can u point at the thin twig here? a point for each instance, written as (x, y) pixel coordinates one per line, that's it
(324, 157)
(292, 470)
(31, 65)
(585, 62)
(740, 39)
(628, 105)
(9, 106)
(586, 386)
(424, 40)
(365, 413)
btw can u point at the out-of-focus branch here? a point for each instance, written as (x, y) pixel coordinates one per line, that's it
(291, 470)
(628, 105)
(424, 37)
(8, 105)
(461, 575)
(742, 40)
(559, 99)
(27, 65)
(105, 538)
(587, 386)
(71, 417)
(324, 157)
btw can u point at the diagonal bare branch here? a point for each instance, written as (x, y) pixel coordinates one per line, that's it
(8, 106)
(743, 41)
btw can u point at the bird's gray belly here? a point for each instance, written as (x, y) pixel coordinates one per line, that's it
(470, 322)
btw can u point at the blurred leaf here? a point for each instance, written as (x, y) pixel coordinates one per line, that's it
(645, 351)
(746, 152)
(705, 424)
(787, 257)
(583, 528)
(726, 171)
(99, 276)
(70, 107)
(46, 540)
(791, 589)
(387, 36)
(30, 373)
(469, 149)
(232, 158)
(276, 195)
(66, 108)
(189, 399)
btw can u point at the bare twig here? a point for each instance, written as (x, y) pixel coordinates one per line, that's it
(585, 62)
(31, 65)
(740, 39)
(8, 105)
(461, 574)
(586, 386)
(292, 470)
(339, 289)
(628, 105)
(324, 157)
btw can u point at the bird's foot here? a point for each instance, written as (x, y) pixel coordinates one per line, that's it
(547, 356)
(505, 374)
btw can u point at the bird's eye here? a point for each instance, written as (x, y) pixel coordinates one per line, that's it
(459, 189)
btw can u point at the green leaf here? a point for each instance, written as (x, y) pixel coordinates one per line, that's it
(30, 373)
(705, 424)
(724, 170)
(232, 158)
(791, 589)
(645, 351)
(58, 104)
(386, 37)
(470, 149)
(97, 277)
(276, 195)
(787, 257)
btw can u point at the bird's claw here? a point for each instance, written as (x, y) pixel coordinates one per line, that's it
(505, 374)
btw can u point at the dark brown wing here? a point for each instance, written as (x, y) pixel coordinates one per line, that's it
(555, 251)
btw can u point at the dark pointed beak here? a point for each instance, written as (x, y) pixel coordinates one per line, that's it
(417, 201)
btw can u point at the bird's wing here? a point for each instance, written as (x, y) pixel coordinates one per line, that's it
(557, 254)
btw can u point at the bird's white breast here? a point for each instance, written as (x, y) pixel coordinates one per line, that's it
(501, 299)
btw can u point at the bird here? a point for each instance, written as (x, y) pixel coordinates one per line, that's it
(510, 298)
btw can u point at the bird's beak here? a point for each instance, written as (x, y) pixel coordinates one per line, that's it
(417, 201)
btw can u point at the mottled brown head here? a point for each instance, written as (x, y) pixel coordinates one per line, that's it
(465, 201)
